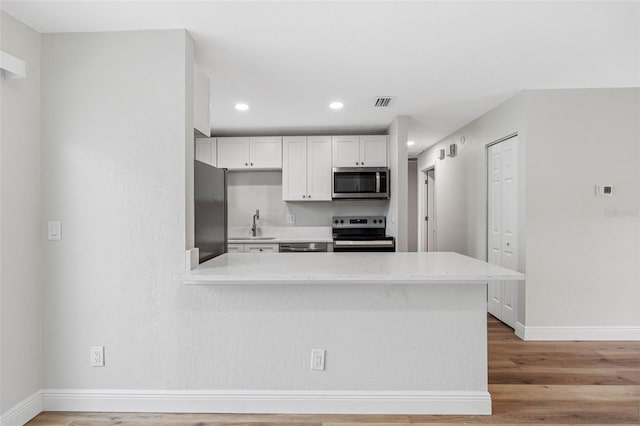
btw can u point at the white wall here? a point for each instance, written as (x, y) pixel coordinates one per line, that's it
(20, 219)
(397, 212)
(251, 190)
(115, 154)
(582, 252)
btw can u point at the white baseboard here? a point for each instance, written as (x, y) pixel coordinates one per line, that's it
(283, 402)
(579, 333)
(23, 411)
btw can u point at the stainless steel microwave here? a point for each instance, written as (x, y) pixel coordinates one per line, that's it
(360, 182)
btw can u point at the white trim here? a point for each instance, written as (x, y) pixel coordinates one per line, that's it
(23, 411)
(581, 333)
(284, 402)
(520, 328)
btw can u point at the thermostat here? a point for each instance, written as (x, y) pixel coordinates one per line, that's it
(604, 190)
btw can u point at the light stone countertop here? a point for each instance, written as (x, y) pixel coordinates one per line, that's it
(346, 268)
(283, 234)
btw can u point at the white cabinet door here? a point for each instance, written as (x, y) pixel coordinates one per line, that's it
(373, 151)
(265, 153)
(502, 226)
(261, 248)
(235, 248)
(294, 168)
(233, 153)
(206, 151)
(346, 151)
(318, 168)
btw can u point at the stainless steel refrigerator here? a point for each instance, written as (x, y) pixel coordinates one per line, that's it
(210, 193)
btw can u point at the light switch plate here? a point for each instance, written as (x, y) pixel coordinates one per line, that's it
(291, 218)
(54, 230)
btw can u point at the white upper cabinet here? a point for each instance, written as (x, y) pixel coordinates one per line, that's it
(360, 151)
(206, 151)
(250, 153)
(265, 153)
(319, 168)
(346, 151)
(373, 151)
(294, 168)
(233, 153)
(201, 101)
(306, 168)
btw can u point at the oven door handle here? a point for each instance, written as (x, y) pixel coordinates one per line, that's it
(377, 181)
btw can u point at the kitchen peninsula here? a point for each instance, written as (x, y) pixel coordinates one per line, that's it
(403, 332)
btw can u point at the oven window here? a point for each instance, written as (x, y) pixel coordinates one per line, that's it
(354, 182)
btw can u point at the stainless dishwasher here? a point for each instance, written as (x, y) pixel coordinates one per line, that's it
(303, 247)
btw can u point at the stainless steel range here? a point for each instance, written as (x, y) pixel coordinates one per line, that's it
(361, 233)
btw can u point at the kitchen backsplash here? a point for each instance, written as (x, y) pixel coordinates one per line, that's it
(248, 191)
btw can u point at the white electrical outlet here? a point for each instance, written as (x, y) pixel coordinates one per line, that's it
(317, 359)
(97, 356)
(291, 218)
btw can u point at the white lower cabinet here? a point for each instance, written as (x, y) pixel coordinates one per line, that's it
(306, 168)
(252, 248)
(261, 248)
(235, 248)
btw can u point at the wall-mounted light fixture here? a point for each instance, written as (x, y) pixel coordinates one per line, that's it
(442, 152)
(453, 151)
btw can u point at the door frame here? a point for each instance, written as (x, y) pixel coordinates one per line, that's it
(424, 238)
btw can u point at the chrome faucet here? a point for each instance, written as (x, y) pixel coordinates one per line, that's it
(254, 228)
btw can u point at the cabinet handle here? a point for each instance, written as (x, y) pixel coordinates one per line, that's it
(260, 249)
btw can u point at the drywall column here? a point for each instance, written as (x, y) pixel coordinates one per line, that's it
(20, 219)
(115, 158)
(397, 221)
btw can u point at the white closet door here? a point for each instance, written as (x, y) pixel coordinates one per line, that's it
(503, 226)
(495, 226)
(509, 228)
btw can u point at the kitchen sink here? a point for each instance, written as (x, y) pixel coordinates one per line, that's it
(251, 238)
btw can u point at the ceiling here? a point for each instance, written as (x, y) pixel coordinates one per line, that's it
(445, 62)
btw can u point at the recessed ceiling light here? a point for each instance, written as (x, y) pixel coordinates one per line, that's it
(410, 143)
(336, 105)
(242, 107)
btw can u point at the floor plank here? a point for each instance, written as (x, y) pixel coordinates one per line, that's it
(549, 383)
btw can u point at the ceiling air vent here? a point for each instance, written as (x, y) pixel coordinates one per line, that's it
(383, 101)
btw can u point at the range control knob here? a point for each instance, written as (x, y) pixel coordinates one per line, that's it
(341, 220)
(375, 220)
(335, 221)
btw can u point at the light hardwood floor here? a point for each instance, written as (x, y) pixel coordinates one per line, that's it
(530, 383)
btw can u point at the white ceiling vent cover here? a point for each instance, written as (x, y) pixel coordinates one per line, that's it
(383, 101)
